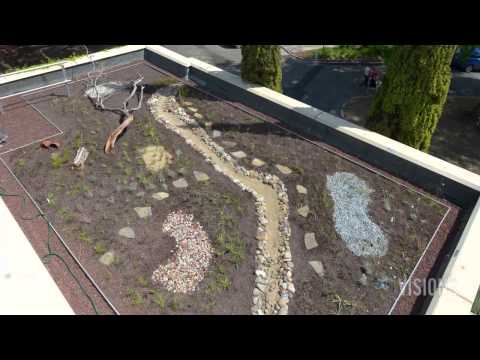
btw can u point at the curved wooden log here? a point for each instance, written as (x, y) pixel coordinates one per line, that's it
(110, 144)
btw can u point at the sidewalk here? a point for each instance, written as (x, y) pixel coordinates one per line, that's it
(298, 48)
(26, 286)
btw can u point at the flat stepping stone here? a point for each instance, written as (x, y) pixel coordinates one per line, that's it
(160, 195)
(216, 134)
(183, 171)
(143, 212)
(283, 169)
(318, 267)
(257, 162)
(127, 232)
(229, 144)
(310, 242)
(200, 176)
(108, 258)
(304, 211)
(180, 183)
(301, 189)
(171, 173)
(386, 205)
(192, 109)
(198, 116)
(239, 154)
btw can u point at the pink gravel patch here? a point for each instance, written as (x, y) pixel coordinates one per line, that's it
(193, 253)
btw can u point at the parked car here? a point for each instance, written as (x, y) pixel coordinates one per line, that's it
(467, 63)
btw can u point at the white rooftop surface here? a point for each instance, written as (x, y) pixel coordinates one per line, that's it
(26, 287)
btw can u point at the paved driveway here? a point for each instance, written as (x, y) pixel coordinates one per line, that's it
(326, 87)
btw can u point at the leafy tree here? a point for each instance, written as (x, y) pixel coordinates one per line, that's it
(410, 101)
(262, 64)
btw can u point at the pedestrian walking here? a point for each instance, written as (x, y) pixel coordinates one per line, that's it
(374, 74)
(366, 76)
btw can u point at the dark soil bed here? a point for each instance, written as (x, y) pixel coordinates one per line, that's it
(409, 223)
(89, 207)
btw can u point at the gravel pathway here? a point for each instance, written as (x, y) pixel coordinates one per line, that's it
(272, 236)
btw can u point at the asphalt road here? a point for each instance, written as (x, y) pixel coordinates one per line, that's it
(326, 87)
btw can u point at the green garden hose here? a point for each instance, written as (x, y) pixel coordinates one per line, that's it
(46, 258)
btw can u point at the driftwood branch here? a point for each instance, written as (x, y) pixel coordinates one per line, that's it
(127, 114)
(110, 144)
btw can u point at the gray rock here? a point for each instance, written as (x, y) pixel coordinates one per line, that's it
(367, 268)
(192, 109)
(161, 177)
(304, 211)
(151, 186)
(200, 176)
(283, 169)
(257, 162)
(363, 280)
(318, 267)
(141, 194)
(283, 310)
(198, 116)
(143, 212)
(183, 171)
(260, 273)
(291, 288)
(301, 189)
(382, 283)
(3, 137)
(261, 287)
(216, 134)
(160, 196)
(229, 144)
(180, 183)
(386, 205)
(88, 195)
(127, 232)
(171, 174)
(239, 154)
(310, 242)
(111, 200)
(108, 258)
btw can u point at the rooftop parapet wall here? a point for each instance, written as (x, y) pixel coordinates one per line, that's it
(433, 174)
(49, 74)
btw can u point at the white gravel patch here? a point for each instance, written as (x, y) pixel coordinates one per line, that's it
(351, 196)
(192, 256)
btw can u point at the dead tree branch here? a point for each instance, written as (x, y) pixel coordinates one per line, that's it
(124, 111)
